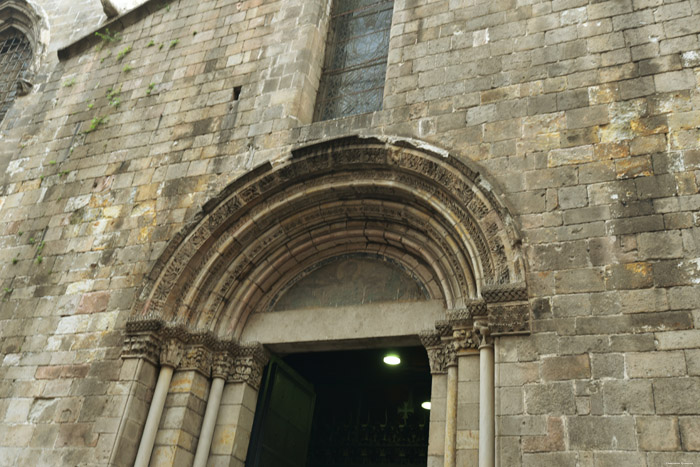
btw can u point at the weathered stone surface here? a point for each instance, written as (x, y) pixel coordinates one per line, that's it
(607, 365)
(564, 368)
(655, 364)
(620, 459)
(581, 120)
(602, 433)
(628, 396)
(552, 398)
(690, 433)
(677, 395)
(658, 433)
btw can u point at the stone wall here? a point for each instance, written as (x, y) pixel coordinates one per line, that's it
(585, 116)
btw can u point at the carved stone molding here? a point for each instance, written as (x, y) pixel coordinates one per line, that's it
(222, 362)
(441, 353)
(482, 332)
(171, 353)
(465, 339)
(248, 365)
(476, 308)
(152, 339)
(212, 255)
(443, 328)
(146, 346)
(505, 318)
(24, 86)
(197, 358)
(508, 308)
(460, 318)
(505, 293)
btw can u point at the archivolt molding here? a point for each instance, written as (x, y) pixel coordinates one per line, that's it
(428, 212)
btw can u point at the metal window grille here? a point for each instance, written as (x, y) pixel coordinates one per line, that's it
(356, 55)
(15, 59)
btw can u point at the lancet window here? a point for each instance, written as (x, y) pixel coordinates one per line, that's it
(15, 61)
(356, 56)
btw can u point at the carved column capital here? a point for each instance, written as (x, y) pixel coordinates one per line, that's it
(197, 358)
(146, 346)
(171, 353)
(249, 362)
(221, 365)
(465, 339)
(441, 354)
(483, 333)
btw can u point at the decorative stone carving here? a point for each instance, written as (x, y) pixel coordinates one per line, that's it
(24, 87)
(476, 308)
(110, 10)
(443, 328)
(249, 363)
(460, 318)
(149, 323)
(221, 365)
(430, 339)
(146, 346)
(171, 353)
(504, 293)
(509, 318)
(413, 172)
(176, 346)
(197, 358)
(441, 354)
(465, 339)
(482, 333)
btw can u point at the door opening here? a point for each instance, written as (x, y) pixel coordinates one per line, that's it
(366, 413)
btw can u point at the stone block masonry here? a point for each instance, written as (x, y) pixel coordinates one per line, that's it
(583, 116)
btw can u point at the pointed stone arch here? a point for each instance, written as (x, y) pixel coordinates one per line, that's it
(400, 199)
(28, 18)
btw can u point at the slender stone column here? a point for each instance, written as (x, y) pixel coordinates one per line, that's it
(220, 371)
(451, 417)
(486, 399)
(235, 419)
(169, 359)
(442, 357)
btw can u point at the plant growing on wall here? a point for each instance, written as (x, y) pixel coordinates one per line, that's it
(123, 53)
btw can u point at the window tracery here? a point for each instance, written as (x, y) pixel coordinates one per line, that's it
(15, 61)
(356, 56)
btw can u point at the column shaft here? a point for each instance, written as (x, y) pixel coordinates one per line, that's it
(207, 433)
(486, 407)
(451, 417)
(154, 413)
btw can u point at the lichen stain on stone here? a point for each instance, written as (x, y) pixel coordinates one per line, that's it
(647, 127)
(633, 167)
(675, 102)
(542, 124)
(603, 94)
(621, 116)
(643, 269)
(611, 151)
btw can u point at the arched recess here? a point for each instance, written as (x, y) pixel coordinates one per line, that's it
(402, 200)
(24, 35)
(28, 18)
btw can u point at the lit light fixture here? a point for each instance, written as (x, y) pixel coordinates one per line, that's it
(392, 359)
(426, 405)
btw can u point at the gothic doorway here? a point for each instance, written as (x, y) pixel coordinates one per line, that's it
(356, 410)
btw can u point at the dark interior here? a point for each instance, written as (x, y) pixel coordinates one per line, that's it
(367, 413)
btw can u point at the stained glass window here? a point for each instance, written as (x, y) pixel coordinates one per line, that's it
(356, 54)
(15, 59)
